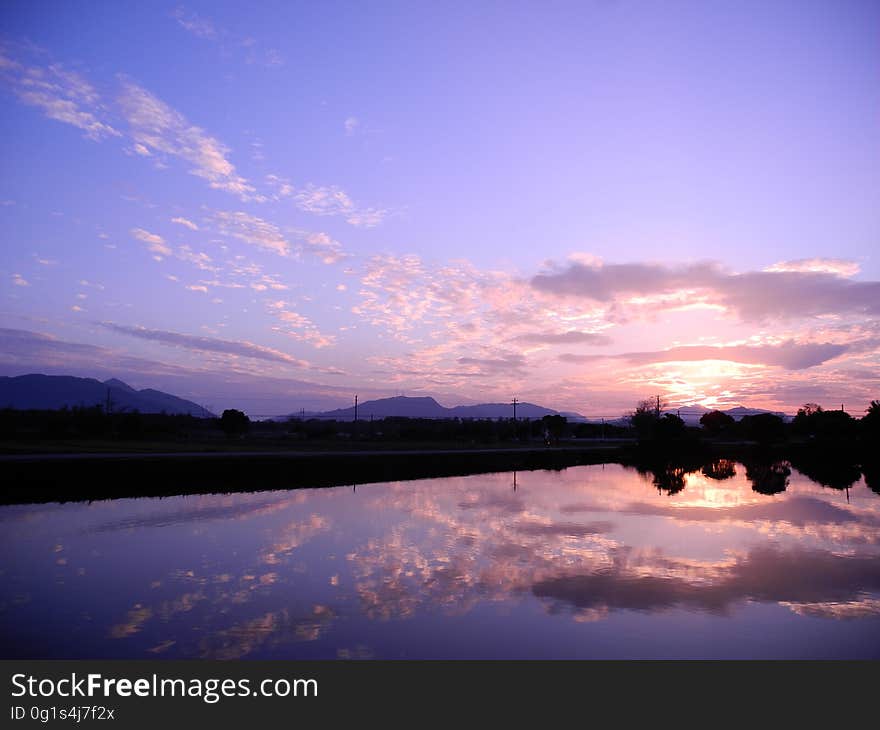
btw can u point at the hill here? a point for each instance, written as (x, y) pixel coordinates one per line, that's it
(51, 392)
(427, 407)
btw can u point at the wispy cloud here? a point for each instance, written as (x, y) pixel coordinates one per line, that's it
(194, 23)
(333, 201)
(208, 344)
(154, 241)
(19, 280)
(297, 325)
(841, 267)
(61, 94)
(252, 230)
(351, 124)
(321, 245)
(231, 44)
(492, 366)
(571, 337)
(186, 223)
(788, 355)
(265, 235)
(159, 128)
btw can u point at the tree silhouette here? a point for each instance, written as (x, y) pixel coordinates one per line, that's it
(764, 428)
(234, 423)
(646, 416)
(720, 469)
(554, 425)
(717, 422)
(870, 423)
(768, 478)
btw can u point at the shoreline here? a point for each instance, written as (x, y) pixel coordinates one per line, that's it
(41, 478)
(88, 476)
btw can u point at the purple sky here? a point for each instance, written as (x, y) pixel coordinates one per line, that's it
(274, 206)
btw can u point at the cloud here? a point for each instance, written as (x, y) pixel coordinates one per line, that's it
(159, 128)
(766, 574)
(321, 245)
(788, 355)
(252, 230)
(793, 295)
(24, 351)
(19, 280)
(195, 24)
(200, 259)
(263, 234)
(572, 337)
(184, 222)
(493, 365)
(536, 528)
(604, 282)
(799, 511)
(231, 43)
(297, 325)
(796, 290)
(154, 242)
(61, 94)
(333, 201)
(840, 267)
(207, 344)
(282, 186)
(351, 124)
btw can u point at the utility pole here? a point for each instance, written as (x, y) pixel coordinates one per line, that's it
(514, 409)
(355, 409)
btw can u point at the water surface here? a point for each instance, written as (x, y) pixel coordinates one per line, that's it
(592, 561)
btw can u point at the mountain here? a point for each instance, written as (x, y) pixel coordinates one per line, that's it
(738, 412)
(427, 407)
(692, 414)
(50, 392)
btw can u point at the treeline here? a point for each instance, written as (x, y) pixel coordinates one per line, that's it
(93, 423)
(811, 424)
(764, 470)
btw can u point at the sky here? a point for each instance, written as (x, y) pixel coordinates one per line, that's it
(275, 206)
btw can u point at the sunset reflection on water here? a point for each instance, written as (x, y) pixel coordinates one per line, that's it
(592, 561)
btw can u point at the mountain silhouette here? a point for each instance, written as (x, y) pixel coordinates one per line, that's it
(427, 407)
(50, 392)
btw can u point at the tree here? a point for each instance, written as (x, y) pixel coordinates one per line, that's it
(768, 478)
(669, 427)
(645, 417)
(720, 469)
(554, 425)
(716, 422)
(234, 423)
(763, 427)
(870, 423)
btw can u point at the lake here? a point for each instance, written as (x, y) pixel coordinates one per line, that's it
(588, 562)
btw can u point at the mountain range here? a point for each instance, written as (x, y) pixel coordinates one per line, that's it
(427, 407)
(58, 391)
(50, 392)
(691, 415)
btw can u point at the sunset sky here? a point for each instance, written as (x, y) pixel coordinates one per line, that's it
(277, 205)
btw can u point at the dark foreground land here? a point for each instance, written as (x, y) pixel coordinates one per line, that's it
(79, 476)
(29, 478)
(86, 455)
